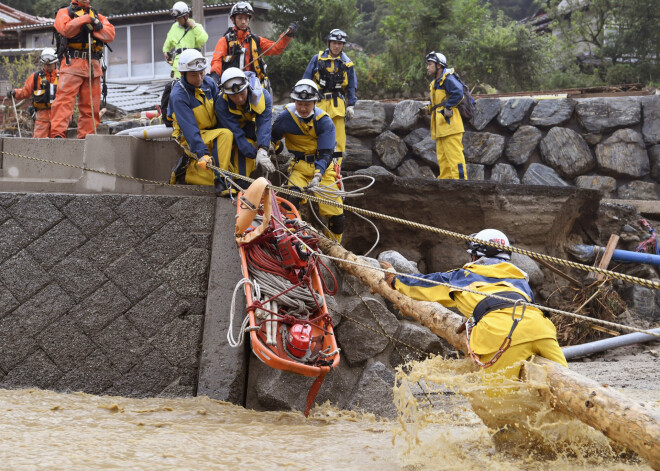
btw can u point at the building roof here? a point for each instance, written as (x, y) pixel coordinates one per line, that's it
(11, 17)
(136, 97)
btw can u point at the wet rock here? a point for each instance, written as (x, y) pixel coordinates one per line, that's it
(374, 392)
(357, 155)
(565, 151)
(416, 343)
(400, 263)
(513, 112)
(410, 168)
(637, 190)
(598, 115)
(654, 158)
(641, 300)
(364, 320)
(485, 109)
(623, 154)
(539, 174)
(529, 266)
(407, 116)
(390, 148)
(597, 182)
(369, 119)
(374, 171)
(522, 144)
(504, 173)
(426, 151)
(476, 171)
(482, 147)
(651, 111)
(552, 112)
(416, 136)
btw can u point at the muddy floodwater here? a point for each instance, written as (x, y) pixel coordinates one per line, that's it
(54, 431)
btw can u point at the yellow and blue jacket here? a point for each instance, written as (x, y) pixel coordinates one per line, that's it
(306, 136)
(192, 109)
(251, 121)
(447, 91)
(336, 78)
(489, 276)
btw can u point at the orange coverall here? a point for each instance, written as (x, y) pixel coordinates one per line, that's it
(74, 78)
(221, 49)
(42, 123)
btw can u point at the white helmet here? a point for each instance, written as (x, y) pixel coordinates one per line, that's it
(305, 90)
(241, 8)
(191, 60)
(337, 35)
(48, 56)
(233, 81)
(179, 9)
(490, 235)
(437, 58)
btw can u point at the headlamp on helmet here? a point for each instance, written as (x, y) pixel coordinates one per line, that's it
(305, 90)
(337, 35)
(191, 60)
(48, 56)
(233, 81)
(490, 235)
(179, 9)
(241, 8)
(437, 58)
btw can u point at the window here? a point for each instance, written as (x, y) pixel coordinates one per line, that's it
(142, 61)
(118, 58)
(42, 40)
(162, 68)
(216, 27)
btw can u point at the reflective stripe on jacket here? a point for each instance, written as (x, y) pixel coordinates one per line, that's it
(449, 89)
(336, 76)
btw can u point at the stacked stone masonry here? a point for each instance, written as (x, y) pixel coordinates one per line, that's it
(611, 144)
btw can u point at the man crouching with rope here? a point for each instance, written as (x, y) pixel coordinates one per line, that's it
(501, 334)
(309, 134)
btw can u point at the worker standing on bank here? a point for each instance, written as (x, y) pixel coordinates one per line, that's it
(76, 24)
(240, 48)
(491, 319)
(196, 128)
(334, 74)
(246, 109)
(42, 87)
(446, 122)
(309, 134)
(184, 34)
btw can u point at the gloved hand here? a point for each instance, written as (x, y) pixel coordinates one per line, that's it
(448, 112)
(98, 26)
(426, 108)
(277, 147)
(216, 77)
(350, 111)
(191, 23)
(11, 93)
(293, 29)
(390, 275)
(263, 161)
(204, 161)
(316, 181)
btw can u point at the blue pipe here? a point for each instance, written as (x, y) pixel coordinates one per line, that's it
(636, 257)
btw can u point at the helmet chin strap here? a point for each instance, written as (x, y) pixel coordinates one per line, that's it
(301, 116)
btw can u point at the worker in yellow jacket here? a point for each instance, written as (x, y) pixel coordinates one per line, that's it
(490, 272)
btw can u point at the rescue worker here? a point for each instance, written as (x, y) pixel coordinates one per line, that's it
(446, 122)
(246, 109)
(184, 34)
(490, 272)
(239, 47)
(42, 87)
(75, 25)
(192, 111)
(334, 73)
(309, 134)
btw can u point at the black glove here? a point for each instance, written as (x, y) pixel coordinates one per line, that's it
(448, 112)
(278, 147)
(88, 28)
(293, 28)
(11, 93)
(98, 26)
(216, 77)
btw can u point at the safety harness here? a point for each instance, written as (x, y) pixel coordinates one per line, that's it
(43, 93)
(236, 53)
(331, 82)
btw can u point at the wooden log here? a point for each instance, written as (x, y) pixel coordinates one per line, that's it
(619, 418)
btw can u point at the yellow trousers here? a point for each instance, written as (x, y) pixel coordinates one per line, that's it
(340, 134)
(241, 164)
(219, 143)
(508, 365)
(449, 150)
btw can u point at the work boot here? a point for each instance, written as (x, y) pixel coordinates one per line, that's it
(220, 188)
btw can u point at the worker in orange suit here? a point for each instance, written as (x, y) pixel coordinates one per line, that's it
(75, 25)
(42, 87)
(241, 48)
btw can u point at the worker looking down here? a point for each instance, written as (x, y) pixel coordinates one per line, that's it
(246, 109)
(184, 34)
(490, 272)
(446, 122)
(309, 134)
(193, 113)
(42, 87)
(76, 25)
(334, 74)
(240, 48)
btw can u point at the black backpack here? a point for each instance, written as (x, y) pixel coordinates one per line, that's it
(466, 106)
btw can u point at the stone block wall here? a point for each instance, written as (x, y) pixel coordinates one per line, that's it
(609, 144)
(103, 294)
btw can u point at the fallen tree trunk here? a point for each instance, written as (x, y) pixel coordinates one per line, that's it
(619, 418)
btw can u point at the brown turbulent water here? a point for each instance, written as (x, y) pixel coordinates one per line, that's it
(48, 430)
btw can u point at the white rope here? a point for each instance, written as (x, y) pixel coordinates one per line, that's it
(230, 331)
